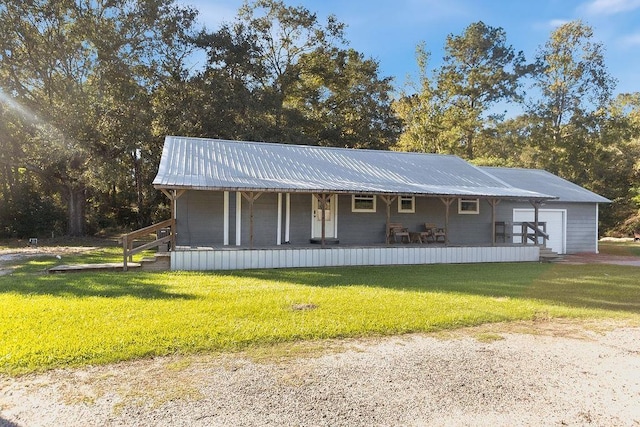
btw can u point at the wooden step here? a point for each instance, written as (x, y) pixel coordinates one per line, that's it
(548, 255)
(160, 262)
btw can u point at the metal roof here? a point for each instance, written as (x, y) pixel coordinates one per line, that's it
(213, 164)
(545, 182)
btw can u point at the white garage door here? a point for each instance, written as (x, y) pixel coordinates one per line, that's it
(556, 226)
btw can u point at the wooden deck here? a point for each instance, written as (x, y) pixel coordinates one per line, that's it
(79, 268)
(159, 262)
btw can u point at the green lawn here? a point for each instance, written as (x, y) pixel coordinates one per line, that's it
(49, 321)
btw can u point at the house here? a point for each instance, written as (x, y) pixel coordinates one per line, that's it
(240, 204)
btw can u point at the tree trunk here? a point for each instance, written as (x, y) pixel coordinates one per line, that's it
(138, 179)
(76, 206)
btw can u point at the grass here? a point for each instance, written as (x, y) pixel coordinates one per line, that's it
(49, 321)
(621, 248)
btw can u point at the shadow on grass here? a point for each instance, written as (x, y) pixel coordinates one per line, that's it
(601, 286)
(105, 285)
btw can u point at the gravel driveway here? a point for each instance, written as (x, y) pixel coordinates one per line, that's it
(533, 373)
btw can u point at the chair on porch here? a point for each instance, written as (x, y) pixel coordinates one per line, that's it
(434, 234)
(396, 231)
(503, 231)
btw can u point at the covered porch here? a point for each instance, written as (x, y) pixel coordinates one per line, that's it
(321, 242)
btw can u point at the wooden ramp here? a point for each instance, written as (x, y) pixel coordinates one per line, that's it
(78, 268)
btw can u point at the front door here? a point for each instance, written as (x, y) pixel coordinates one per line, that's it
(330, 227)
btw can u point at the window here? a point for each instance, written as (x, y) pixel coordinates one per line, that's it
(406, 204)
(363, 203)
(468, 206)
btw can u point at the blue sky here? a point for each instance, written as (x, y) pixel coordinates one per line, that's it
(389, 30)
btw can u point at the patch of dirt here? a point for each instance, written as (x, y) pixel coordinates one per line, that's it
(10, 257)
(591, 258)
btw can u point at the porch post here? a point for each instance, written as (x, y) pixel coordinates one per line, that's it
(494, 203)
(279, 227)
(536, 207)
(251, 197)
(225, 220)
(238, 218)
(447, 203)
(388, 200)
(287, 220)
(173, 196)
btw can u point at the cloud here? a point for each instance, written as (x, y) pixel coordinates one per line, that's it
(610, 7)
(555, 23)
(631, 40)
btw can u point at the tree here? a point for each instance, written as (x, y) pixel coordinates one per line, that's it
(479, 70)
(450, 112)
(619, 177)
(82, 73)
(342, 102)
(278, 74)
(421, 112)
(570, 109)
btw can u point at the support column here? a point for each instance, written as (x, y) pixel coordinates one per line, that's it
(388, 200)
(251, 197)
(238, 218)
(173, 195)
(447, 203)
(536, 209)
(225, 221)
(322, 205)
(287, 219)
(279, 227)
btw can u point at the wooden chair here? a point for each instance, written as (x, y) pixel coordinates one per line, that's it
(397, 230)
(434, 234)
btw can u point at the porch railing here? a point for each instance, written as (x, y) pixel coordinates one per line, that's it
(127, 240)
(526, 230)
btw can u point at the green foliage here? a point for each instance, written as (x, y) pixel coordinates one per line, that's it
(278, 74)
(450, 112)
(569, 111)
(49, 321)
(27, 213)
(80, 78)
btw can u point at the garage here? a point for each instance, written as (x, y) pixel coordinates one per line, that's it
(556, 220)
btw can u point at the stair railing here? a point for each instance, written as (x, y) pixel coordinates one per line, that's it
(127, 240)
(531, 233)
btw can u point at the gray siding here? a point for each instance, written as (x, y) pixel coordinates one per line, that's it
(300, 223)
(581, 227)
(200, 216)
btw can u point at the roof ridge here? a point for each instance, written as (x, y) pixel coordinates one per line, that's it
(318, 147)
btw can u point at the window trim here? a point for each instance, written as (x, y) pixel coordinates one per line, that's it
(462, 200)
(372, 197)
(412, 209)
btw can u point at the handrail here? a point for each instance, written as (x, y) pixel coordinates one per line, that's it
(505, 230)
(537, 232)
(127, 240)
(150, 229)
